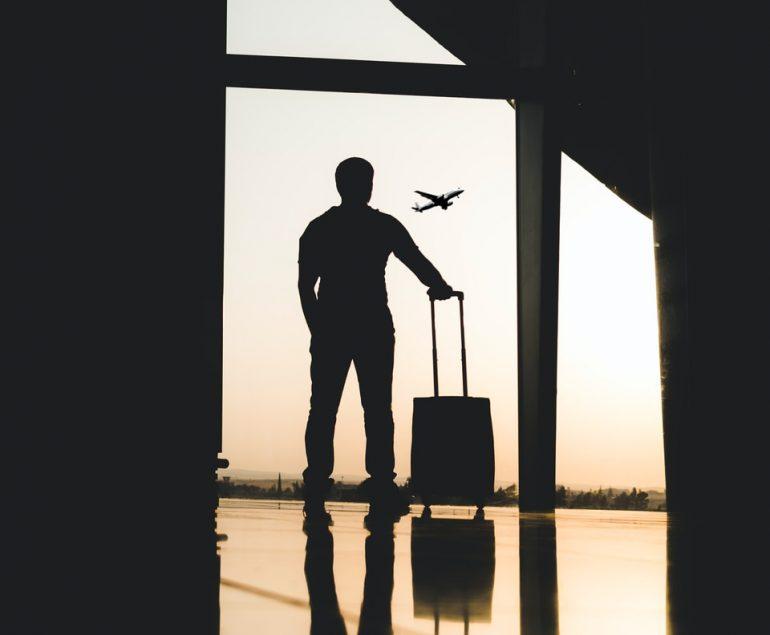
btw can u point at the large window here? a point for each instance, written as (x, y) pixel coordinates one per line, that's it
(282, 149)
(609, 424)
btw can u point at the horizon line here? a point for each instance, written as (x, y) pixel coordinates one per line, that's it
(297, 475)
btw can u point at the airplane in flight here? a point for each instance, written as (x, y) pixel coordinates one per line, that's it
(441, 201)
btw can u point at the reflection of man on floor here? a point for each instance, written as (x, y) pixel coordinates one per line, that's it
(325, 615)
(376, 618)
(347, 247)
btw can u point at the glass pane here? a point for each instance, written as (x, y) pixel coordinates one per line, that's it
(341, 29)
(282, 150)
(609, 418)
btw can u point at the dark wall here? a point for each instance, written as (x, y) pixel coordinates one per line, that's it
(708, 205)
(707, 188)
(118, 201)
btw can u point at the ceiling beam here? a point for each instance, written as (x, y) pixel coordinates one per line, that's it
(390, 78)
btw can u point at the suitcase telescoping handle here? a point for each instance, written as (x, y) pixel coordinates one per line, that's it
(460, 296)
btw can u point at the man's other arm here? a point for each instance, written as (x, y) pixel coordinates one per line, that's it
(308, 276)
(407, 252)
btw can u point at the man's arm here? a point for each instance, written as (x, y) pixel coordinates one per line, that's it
(407, 252)
(307, 296)
(308, 276)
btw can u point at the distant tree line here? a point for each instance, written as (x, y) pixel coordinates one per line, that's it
(610, 498)
(602, 499)
(228, 488)
(339, 492)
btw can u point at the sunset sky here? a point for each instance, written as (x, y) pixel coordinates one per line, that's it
(282, 149)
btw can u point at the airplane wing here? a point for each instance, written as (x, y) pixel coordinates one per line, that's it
(431, 197)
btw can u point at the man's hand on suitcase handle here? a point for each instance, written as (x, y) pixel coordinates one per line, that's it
(443, 293)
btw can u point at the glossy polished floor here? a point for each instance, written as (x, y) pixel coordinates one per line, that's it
(575, 572)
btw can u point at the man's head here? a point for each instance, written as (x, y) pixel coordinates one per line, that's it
(354, 177)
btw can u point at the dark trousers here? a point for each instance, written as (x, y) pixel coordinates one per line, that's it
(333, 350)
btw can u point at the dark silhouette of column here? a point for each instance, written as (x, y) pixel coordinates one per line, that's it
(680, 610)
(539, 589)
(711, 265)
(538, 182)
(668, 148)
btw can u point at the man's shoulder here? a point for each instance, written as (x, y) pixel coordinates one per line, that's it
(319, 222)
(388, 221)
(331, 219)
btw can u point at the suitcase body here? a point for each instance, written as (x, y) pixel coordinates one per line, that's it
(452, 444)
(452, 449)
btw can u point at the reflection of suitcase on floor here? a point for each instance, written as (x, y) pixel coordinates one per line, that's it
(452, 446)
(453, 569)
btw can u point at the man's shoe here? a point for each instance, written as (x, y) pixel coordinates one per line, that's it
(315, 514)
(389, 502)
(389, 508)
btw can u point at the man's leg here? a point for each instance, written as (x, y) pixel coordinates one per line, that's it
(374, 366)
(328, 370)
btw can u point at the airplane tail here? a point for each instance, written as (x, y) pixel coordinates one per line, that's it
(416, 208)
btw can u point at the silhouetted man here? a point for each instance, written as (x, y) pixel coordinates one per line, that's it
(348, 247)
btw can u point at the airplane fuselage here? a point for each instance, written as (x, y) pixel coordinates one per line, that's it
(443, 200)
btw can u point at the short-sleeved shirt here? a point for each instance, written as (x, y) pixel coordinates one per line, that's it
(349, 249)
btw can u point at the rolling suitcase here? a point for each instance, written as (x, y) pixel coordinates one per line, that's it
(452, 445)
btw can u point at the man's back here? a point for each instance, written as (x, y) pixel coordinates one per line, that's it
(348, 247)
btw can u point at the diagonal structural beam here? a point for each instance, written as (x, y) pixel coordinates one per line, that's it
(392, 78)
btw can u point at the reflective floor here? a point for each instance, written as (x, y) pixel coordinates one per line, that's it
(573, 572)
